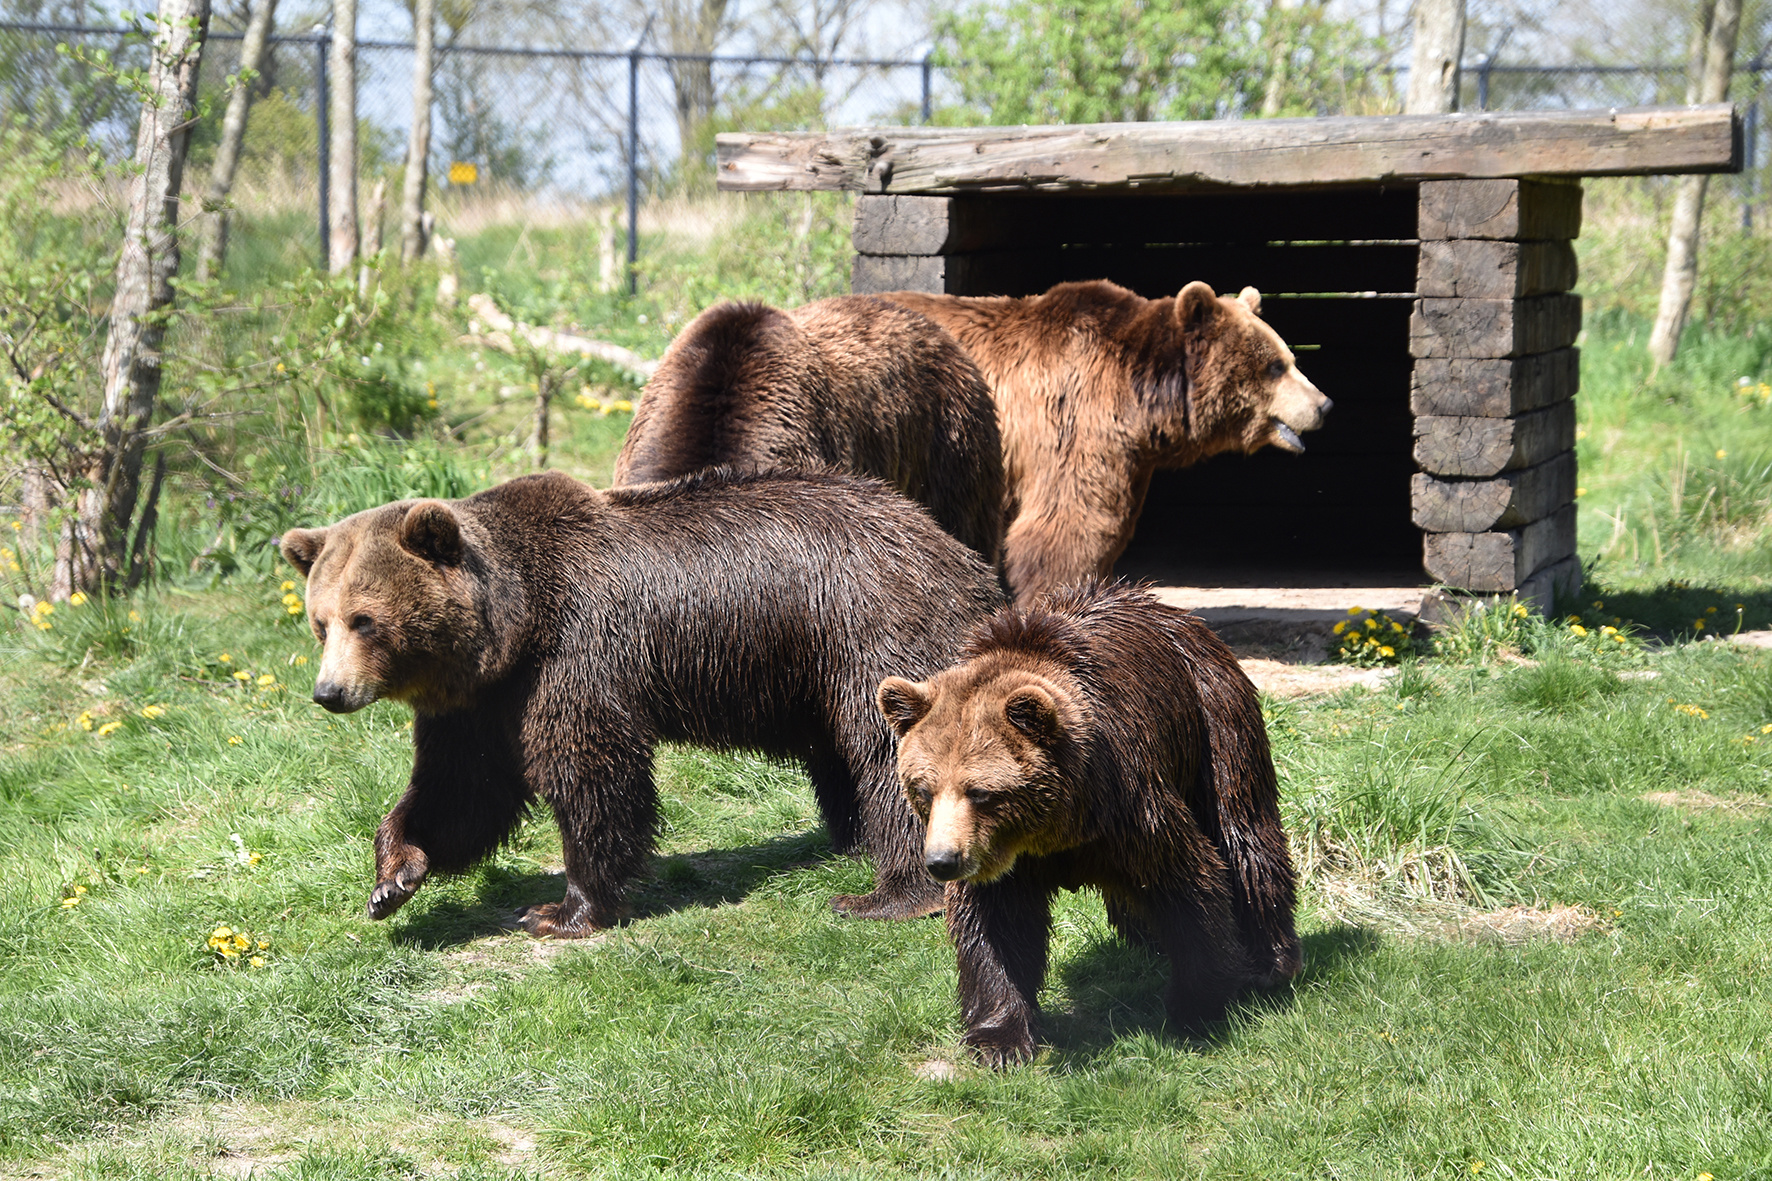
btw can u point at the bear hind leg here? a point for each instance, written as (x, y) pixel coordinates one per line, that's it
(607, 818)
(1207, 964)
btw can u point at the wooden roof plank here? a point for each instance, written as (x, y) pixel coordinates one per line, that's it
(1257, 153)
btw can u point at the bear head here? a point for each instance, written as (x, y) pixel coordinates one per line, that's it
(984, 756)
(1244, 391)
(394, 599)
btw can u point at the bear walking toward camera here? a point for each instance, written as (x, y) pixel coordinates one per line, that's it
(547, 635)
(1097, 388)
(1099, 739)
(851, 384)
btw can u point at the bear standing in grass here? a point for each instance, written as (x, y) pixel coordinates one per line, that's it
(1096, 388)
(1099, 739)
(852, 384)
(547, 635)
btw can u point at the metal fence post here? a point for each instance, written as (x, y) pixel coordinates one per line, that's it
(1750, 135)
(633, 168)
(926, 73)
(323, 128)
(1483, 84)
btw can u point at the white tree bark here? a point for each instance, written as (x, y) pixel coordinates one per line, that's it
(341, 214)
(97, 550)
(418, 146)
(214, 250)
(1721, 22)
(1435, 56)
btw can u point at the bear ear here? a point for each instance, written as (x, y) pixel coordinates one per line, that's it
(905, 703)
(1196, 307)
(1031, 710)
(301, 548)
(1251, 299)
(430, 531)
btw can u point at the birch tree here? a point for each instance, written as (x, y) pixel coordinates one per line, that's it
(1435, 56)
(341, 212)
(104, 545)
(1719, 24)
(213, 252)
(418, 145)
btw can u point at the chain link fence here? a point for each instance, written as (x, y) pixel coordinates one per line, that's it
(583, 136)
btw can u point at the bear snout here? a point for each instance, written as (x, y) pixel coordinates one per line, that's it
(336, 697)
(945, 864)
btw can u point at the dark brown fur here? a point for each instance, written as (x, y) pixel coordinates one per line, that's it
(1097, 388)
(547, 635)
(852, 384)
(1098, 739)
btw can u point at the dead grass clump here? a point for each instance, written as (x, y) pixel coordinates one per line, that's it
(1703, 801)
(1514, 925)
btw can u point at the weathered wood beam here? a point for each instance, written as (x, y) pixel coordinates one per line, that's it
(870, 274)
(1254, 153)
(1503, 210)
(1499, 561)
(1494, 327)
(1482, 387)
(1494, 270)
(1456, 445)
(1477, 506)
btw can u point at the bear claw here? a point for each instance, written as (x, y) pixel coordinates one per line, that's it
(1000, 1049)
(543, 920)
(386, 898)
(883, 904)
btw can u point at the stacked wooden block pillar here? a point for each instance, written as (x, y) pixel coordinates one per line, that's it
(1494, 386)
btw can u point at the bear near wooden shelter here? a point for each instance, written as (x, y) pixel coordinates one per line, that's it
(1098, 738)
(1097, 388)
(547, 635)
(852, 384)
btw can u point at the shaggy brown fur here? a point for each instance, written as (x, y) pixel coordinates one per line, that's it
(1097, 388)
(853, 384)
(547, 635)
(1098, 739)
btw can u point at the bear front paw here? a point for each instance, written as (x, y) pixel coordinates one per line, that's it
(386, 898)
(1000, 1047)
(549, 919)
(906, 903)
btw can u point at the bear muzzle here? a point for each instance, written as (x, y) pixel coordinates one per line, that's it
(339, 698)
(946, 863)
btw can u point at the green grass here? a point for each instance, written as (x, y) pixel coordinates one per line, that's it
(737, 1027)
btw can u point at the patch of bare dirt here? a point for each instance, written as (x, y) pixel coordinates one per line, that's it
(1284, 679)
(1514, 925)
(516, 1146)
(1703, 801)
(936, 1070)
(1759, 639)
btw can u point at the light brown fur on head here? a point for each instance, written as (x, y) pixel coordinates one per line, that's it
(979, 759)
(1246, 389)
(391, 605)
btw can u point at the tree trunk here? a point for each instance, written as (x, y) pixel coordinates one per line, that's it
(1721, 23)
(418, 147)
(96, 547)
(1434, 59)
(227, 154)
(544, 394)
(378, 205)
(341, 217)
(1279, 48)
(695, 28)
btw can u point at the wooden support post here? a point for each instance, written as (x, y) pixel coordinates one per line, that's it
(1495, 379)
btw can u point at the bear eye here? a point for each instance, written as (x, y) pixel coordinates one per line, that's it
(1276, 369)
(320, 629)
(977, 796)
(362, 625)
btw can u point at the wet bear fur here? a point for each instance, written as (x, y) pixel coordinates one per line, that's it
(548, 635)
(1097, 388)
(851, 384)
(1098, 738)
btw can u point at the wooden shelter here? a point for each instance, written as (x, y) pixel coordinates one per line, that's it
(1421, 265)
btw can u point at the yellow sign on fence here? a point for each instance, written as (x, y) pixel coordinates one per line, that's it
(463, 173)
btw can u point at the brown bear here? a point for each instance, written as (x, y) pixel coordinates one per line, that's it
(1096, 388)
(547, 635)
(853, 384)
(1098, 738)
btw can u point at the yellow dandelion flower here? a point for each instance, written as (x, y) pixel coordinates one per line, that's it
(77, 599)
(1698, 625)
(85, 719)
(1710, 610)
(42, 608)
(70, 903)
(224, 658)
(151, 712)
(1579, 492)
(1766, 729)
(242, 676)
(254, 857)
(1355, 610)
(235, 740)
(1371, 625)
(141, 869)
(1722, 454)
(266, 680)
(294, 608)
(622, 405)
(1387, 651)
(1520, 611)
(135, 617)
(109, 728)
(301, 660)
(79, 889)
(1577, 629)
(221, 933)
(1608, 630)
(17, 525)
(1395, 626)
(1340, 627)
(257, 961)
(288, 584)
(1476, 1167)
(263, 943)
(1619, 637)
